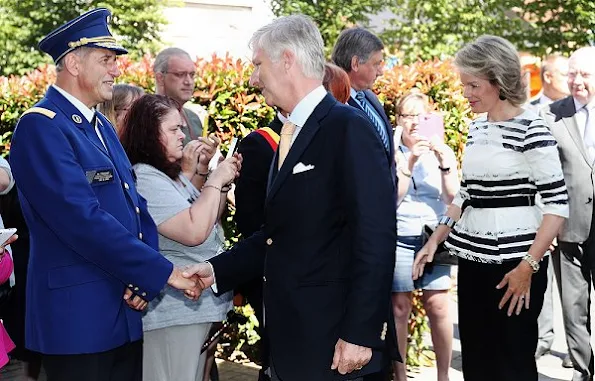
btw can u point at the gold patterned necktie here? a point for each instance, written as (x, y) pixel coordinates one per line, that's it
(285, 141)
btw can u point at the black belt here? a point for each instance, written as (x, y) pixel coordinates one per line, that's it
(500, 202)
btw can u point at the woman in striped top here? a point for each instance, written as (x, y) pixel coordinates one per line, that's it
(500, 235)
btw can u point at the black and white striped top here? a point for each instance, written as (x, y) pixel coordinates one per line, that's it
(517, 157)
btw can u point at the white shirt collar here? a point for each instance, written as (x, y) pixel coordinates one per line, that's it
(544, 100)
(578, 105)
(86, 111)
(281, 117)
(306, 106)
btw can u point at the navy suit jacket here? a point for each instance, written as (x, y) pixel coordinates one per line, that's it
(326, 251)
(91, 234)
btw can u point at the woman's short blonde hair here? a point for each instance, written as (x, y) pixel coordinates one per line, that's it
(495, 59)
(413, 94)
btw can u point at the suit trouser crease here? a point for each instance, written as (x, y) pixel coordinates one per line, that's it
(575, 287)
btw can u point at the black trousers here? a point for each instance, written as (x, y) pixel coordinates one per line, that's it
(496, 347)
(124, 363)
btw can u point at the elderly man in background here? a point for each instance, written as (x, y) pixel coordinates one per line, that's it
(174, 76)
(572, 122)
(554, 72)
(93, 243)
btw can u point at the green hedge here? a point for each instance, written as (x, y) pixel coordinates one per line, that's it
(235, 109)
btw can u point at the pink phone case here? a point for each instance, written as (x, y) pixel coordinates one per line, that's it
(431, 125)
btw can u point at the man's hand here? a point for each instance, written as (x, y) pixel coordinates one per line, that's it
(202, 273)
(349, 357)
(190, 284)
(136, 303)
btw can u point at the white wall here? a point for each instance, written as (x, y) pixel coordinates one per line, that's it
(204, 27)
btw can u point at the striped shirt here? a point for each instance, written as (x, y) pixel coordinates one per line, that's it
(512, 158)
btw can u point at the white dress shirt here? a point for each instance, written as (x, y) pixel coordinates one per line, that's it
(586, 114)
(86, 111)
(304, 109)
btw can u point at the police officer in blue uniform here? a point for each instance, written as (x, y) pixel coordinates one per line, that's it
(92, 239)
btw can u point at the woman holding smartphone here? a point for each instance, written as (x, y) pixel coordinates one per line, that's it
(187, 221)
(428, 182)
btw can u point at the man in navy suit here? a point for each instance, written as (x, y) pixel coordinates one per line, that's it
(326, 249)
(360, 53)
(93, 244)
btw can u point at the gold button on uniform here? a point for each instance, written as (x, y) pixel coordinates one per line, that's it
(144, 294)
(269, 241)
(136, 289)
(140, 235)
(126, 186)
(137, 210)
(130, 286)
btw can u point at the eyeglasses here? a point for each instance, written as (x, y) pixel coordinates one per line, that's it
(585, 75)
(409, 116)
(182, 74)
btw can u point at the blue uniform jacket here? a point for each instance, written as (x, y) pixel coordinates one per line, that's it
(91, 233)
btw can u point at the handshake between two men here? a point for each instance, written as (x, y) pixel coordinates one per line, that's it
(192, 281)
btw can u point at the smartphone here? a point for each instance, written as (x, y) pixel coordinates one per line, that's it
(232, 147)
(5, 234)
(431, 125)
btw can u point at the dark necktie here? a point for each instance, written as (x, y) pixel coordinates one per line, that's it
(361, 97)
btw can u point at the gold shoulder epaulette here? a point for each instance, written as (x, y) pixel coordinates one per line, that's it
(40, 110)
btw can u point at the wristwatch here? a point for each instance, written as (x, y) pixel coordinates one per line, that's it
(446, 220)
(532, 262)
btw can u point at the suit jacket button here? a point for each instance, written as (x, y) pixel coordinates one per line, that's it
(136, 289)
(264, 278)
(130, 286)
(269, 241)
(126, 186)
(137, 210)
(144, 294)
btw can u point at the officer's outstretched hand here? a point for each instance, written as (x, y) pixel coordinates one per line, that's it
(190, 284)
(202, 272)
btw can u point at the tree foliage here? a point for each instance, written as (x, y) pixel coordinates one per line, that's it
(438, 28)
(137, 23)
(331, 16)
(423, 30)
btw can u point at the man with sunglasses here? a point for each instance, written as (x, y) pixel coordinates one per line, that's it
(174, 76)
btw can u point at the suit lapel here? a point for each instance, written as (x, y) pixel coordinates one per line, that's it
(566, 112)
(387, 126)
(298, 147)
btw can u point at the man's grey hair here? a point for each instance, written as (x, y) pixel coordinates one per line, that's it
(549, 63)
(162, 59)
(82, 52)
(297, 34)
(357, 42)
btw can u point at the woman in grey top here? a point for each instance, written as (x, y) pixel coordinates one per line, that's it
(169, 176)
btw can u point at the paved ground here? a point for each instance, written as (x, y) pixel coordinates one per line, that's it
(549, 366)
